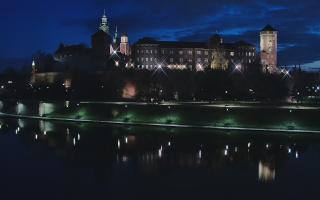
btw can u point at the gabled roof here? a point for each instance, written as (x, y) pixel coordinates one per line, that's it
(268, 28)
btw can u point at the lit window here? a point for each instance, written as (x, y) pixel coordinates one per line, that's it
(147, 59)
(151, 59)
(181, 60)
(231, 53)
(180, 52)
(190, 60)
(206, 60)
(190, 52)
(142, 59)
(206, 53)
(151, 51)
(199, 52)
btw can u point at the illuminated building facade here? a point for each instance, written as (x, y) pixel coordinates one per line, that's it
(149, 54)
(268, 48)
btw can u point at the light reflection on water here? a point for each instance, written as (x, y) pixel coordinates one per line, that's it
(158, 160)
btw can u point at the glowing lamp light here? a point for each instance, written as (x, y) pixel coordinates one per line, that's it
(129, 91)
(118, 144)
(238, 67)
(117, 63)
(199, 67)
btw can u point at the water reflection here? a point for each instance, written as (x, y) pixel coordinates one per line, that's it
(267, 171)
(150, 152)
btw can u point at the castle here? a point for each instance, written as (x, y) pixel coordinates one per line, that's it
(109, 50)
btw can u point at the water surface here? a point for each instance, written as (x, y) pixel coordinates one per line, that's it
(55, 160)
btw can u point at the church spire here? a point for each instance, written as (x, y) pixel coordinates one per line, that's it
(115, 37)
(104, 23)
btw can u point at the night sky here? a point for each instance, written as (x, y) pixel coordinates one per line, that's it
(29, 26)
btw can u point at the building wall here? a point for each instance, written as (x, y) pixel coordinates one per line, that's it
(150, 56)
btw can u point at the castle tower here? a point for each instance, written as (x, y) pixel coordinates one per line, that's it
(269, 48)
(104, 23)
(124, 45)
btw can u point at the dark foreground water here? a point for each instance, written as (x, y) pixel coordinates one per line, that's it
(54, 160)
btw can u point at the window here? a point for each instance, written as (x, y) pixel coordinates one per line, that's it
(206, 60)
(190, 60)
(151, 59)
(138, 59)
(147, 59)
(171, 51)
(142, 59)
(171, 59)
(206, 53)
(151, 51)
(181, 60)
(198, 59)
(190, 52)
(198, 52)
(155, 51)
(231, 53)
(180, 52)
(162, 51)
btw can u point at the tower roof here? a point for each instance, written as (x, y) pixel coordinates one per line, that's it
(268, 28)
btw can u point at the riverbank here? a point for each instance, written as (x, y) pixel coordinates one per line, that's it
(227, 116)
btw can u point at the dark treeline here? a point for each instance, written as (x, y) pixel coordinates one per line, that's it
(145, 85)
